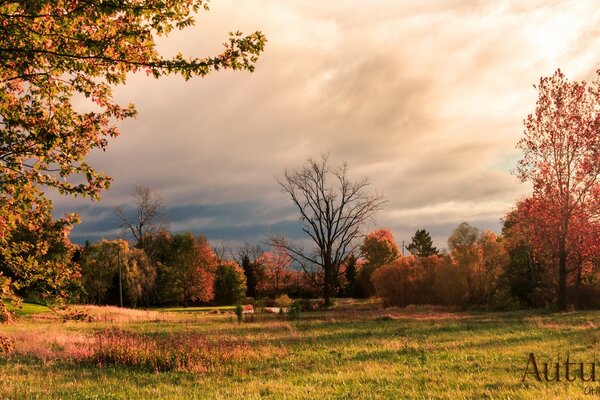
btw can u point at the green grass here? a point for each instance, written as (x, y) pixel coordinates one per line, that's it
(390, 354)
(29, 309)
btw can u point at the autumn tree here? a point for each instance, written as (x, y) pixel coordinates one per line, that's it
(332, 209)
(54, 54)
(561, 147)
(378, 248)
(275, 267)
(186, 267)
(54, 51)
(35, 252)
(421, 244)
(146, 218)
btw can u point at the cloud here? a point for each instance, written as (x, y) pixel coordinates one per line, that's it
(426, 98)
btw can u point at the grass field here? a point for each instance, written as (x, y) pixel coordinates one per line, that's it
(343, 354)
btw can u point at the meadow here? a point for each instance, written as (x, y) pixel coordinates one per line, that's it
(350, 352)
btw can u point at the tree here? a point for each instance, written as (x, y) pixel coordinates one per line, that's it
(229, 284)
(561, 146)
(35, 252)
(275, 266)
(421, 244)
(53, 54)
(332, 210)
(53, 51)
(99, 267)
(250, 259)
(148, 216)
(186, 267)
(100, 264)
(378, 248)
(351, 273)
(463, 238)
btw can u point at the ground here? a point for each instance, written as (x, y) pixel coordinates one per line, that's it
(347, 353)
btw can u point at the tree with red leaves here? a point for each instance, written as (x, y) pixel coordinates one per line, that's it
(562, 159)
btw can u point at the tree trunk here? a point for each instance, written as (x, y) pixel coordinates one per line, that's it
(327, 284)
(562, 276)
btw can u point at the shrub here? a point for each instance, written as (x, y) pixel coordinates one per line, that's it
(239, 312)
(309, 304)
(283, 301)
(294, 311)
(393, 284)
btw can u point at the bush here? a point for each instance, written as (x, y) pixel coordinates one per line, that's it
(392, 284)
(309, 304)
(294, 311)
(283, 301)
(239, 312)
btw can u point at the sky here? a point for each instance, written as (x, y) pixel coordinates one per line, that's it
(425, 98)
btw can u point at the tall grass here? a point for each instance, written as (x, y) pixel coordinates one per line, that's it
(181, 351)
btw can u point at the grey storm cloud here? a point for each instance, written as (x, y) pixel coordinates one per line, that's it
(426, 98)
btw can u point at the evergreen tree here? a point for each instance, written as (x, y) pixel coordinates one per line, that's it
(422, 245)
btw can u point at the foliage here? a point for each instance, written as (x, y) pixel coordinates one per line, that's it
(378, 248)
(283, 301)
(333, 210)
(561, 146)
(229, 283)
(99, 266)
(472, 275)
(35, 252)
(250, 259)
(350, 268)
(393, 283)
(185, 268)
(57, 60)
(276, 274)
(421, 244)
(463, 238)
(55, 51)
(6, 345)
(530, 236)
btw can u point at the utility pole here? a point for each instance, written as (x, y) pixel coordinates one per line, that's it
(120, 278)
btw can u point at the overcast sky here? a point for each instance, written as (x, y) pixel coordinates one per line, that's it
(425, 98)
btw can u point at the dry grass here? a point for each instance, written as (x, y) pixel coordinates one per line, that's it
(181, 351)
(51, 344)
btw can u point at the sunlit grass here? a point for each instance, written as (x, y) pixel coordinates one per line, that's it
(338, 354)
(28, 309)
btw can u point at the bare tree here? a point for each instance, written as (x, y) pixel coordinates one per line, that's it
(148, 217)
(333, 210)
